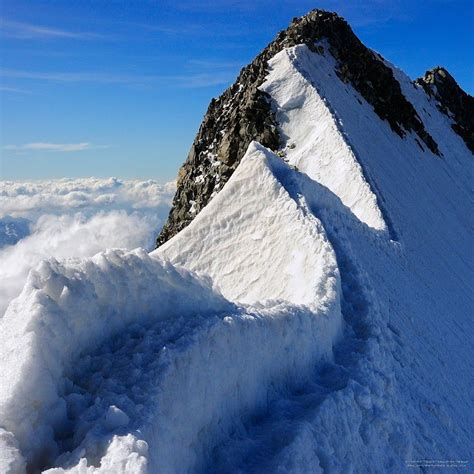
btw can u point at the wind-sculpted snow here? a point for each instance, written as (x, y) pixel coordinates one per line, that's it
(155, 357)
(312, 140)
(397, 390)
(69, 309)
(189, 383)
(265, 235)
(73, 218)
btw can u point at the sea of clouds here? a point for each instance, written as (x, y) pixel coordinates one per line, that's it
(74, 218)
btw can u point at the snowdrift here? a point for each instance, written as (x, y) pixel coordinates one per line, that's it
(68, 309)
(155, 357)
(255, 228)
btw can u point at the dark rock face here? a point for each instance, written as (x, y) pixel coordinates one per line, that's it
(243, 113)
(452, 100)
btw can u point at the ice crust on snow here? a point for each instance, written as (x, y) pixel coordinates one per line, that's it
(312, 318)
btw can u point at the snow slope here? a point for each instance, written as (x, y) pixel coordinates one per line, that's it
(312, 136)
(266, 235)
(312, 318)
(398, 390)
(67, 309)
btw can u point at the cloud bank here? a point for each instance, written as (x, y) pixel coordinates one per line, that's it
(73, 218)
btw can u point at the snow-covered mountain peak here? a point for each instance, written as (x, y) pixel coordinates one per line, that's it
(244, 112)
(307, 307)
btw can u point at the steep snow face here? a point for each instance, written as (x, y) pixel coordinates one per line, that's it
(254, 227)
(398, 389)
(417, 190)
(311, 132)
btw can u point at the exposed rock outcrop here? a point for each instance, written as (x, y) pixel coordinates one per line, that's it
(452, 100)
(243, 113)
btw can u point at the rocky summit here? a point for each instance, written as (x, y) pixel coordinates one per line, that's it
(244, 112)
(452, 100)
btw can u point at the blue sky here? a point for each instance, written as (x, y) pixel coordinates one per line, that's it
(119, 88)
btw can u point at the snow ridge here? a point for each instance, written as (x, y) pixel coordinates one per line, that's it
(139, 375)
(298, 430)
(254, 236)
(312, 138)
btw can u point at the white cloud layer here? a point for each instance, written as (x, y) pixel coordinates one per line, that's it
(73, 218)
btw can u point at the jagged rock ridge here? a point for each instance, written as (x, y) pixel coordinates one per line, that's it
(452, 100)
(243, 113)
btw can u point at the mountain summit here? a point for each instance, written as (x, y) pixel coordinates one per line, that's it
(245, 111)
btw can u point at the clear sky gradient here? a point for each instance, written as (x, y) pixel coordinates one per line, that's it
(119, 88)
